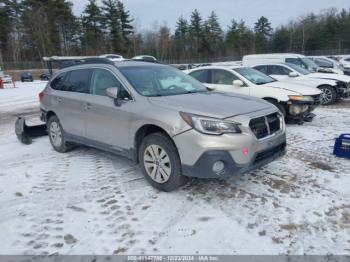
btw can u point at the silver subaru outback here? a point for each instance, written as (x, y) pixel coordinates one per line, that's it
(161, 118)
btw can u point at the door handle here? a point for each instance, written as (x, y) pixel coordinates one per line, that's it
(59, 100)
(87, 106)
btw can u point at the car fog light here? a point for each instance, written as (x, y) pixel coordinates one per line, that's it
(218, 167)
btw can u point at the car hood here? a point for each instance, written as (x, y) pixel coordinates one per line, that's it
(337, 77)
(294, 88)
(212, 104)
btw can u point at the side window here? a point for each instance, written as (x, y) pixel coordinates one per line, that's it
(296, 61)
(103, 79)
(222, 77)
(79, 81)
(278, 70)
(59, 82)
(262, 69)
(324, 63)
(200, 75)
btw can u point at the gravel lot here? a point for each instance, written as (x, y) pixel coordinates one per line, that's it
(91, 202)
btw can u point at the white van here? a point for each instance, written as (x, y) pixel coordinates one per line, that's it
(299, 60)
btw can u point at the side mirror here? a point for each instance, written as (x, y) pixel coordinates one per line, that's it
(293, 74)
(112, 92)
(238, 83)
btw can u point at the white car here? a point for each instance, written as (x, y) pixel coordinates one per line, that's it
(328, 63)
(113, 57)
(147, 58)
(296, 102)
(333, 86)
(345, 61)
(7, 79)
(296, 59)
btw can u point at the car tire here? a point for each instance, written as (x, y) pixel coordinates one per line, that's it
(160, 163)
(280, 107)
(328, 96)
(56, 135)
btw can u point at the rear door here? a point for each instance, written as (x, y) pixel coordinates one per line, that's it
(69, 98)
(107, 123)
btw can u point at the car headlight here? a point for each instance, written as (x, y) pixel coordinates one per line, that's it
(210, 126)
(301, 98)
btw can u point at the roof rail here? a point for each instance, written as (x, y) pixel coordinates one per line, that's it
(68, 61)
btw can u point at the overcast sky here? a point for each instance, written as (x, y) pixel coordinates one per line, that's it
(147, 12)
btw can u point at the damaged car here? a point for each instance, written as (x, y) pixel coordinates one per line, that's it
(296, 102)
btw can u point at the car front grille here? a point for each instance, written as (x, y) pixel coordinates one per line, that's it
(265, 126)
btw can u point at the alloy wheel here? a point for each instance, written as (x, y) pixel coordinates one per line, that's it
(326, 96)
(56, 134)
(157, 163)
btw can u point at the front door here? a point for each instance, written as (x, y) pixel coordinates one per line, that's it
(107, 123)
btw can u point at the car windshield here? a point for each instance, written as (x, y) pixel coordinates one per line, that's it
(161, 81)
(299, 69)
(310, 64)
(254, 75)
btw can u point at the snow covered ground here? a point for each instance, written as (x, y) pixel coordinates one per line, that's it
(91, 202)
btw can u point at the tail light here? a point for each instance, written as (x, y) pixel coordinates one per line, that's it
(41, 96)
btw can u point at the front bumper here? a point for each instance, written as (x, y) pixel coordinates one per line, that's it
(240, 153)
(309, 107)
(343, 90)
(203, 168)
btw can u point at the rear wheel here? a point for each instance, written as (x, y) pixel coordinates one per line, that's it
(160, 162)
(56, 135)
(328, 96)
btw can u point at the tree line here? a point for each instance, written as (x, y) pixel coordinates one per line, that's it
(31, 29)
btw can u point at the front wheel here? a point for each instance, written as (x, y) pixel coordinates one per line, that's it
(328, 96)
(160, 163)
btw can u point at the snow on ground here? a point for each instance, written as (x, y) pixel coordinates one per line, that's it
(91, 202)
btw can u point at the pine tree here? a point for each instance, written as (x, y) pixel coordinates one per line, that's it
(263, 31)
(6, 23)
(213, 36)
(196, 31)
(126, 20)
(113, 25)
(181, 37)
(93, 26)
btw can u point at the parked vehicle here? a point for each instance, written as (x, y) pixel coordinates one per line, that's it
(345, 61)
(45, 77)
(163, 119)
(333, 86)
(299, 60)
(184, 67)
(26, 77)
(113, 57)
(296, 102)
(325, 62)
(145, 58)
(6, 79)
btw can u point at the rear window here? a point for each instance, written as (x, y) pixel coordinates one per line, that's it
(59, 82)
(200, 75)
(74, 81)
(79, 81)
